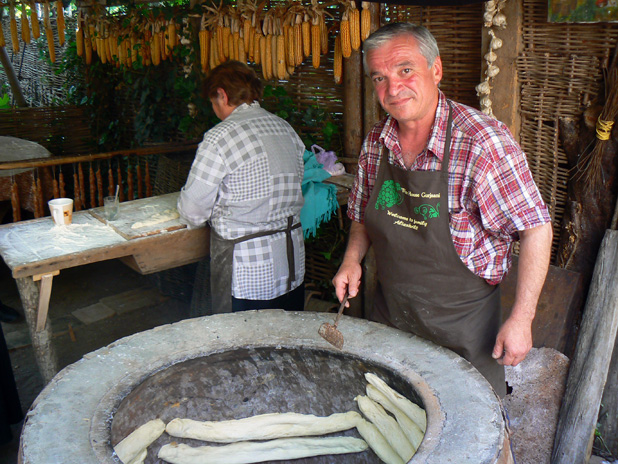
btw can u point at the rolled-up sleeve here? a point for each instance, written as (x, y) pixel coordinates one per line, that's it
(198, 196)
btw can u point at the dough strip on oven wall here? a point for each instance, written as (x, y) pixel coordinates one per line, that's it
(250, 452)
(262, 427)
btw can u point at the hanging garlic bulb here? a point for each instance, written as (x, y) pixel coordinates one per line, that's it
(486, 102)
(491, 57)
(499, 20)
(492, 71)
(483, 89)
(495, 43)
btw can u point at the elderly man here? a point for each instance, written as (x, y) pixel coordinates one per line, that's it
(442, 192)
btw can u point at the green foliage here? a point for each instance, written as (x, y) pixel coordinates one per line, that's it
(313, 124)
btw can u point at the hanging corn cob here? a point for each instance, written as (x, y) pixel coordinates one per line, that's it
(39, 197)
(35, 198)
(298, 39)
(79, 35)
(323, 34)
(344, 30)
(93, 187)
(354, 18)
(15, 202)
(365, 26)
(338, 61)
(25, 27)
(130, 194)
(316, 46)
(119, 177)
(49, 34)
(76, 189)
(147, 180)
(60, 21)
(110, 179)
(13, 21)
(82, 184)
(204, 36)
(99, 184)
(62, 184)
(138, 173)
(306, 33)
(55, 187)
(34, 19)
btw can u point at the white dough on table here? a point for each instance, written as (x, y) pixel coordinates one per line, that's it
(412, 410)
(262, 427)
(249, 452)
(158, 218)
(409, 427)
(378, 443)
(387, 427)
(138, 440)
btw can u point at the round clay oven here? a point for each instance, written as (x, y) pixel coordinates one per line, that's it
(237, 365)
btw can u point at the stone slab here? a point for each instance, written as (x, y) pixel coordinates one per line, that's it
(93, 313)
(533, 406)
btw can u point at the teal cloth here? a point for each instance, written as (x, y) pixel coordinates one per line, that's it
(320, 199)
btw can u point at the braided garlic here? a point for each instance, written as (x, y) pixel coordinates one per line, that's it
(492, 17)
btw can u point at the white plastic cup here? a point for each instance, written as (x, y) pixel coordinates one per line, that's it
(61, 210)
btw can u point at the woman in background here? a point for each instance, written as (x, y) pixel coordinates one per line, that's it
(245, 182)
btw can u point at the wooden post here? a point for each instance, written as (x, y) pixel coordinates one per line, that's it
(41, 340)
(505, 86)
(371, 107)
(590, 364)
(12, 77)
(353, 105)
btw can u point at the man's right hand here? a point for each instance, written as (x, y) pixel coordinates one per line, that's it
(348, 278)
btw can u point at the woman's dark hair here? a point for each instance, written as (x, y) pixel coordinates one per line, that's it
(239, 81)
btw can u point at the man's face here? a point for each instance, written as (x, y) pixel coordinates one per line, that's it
(407, 89)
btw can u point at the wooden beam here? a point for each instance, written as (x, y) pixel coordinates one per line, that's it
(352, 104)
(505, 94)
(590, 364)
(12, 77)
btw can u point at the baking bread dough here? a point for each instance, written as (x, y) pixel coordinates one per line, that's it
(412, 410)
(378, 443)
(263, 427)
(409, 427)
(387, 426)
(248, 452)
(158, 218)
(140, 458)
(138, 440)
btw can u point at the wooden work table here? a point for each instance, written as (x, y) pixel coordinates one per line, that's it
(37, 250)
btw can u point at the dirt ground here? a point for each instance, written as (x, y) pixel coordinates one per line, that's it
(75, 289)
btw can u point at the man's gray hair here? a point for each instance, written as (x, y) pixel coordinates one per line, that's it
(427, 45)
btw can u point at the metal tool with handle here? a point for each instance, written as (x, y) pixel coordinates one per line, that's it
(329, 332)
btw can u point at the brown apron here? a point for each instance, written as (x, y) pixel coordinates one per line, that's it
(423, 286)
(221, 263)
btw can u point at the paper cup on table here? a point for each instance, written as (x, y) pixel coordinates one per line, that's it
(61, 210)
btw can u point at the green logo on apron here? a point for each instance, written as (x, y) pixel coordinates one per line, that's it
(428, 211)
(390, 195)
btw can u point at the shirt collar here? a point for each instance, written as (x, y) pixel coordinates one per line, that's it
(435, 145)
(245, 106)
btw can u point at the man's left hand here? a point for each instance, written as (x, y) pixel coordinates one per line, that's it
(513, 342)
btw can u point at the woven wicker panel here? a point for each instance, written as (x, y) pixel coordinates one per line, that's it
(560, 72)
(459, 38)
(63, 130)
(39, 84)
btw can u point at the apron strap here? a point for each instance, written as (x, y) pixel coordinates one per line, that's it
(289, 245)
(446, 157)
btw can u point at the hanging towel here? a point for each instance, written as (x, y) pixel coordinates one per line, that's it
(320, 198)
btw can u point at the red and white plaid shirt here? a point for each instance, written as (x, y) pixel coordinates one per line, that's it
(491, 192)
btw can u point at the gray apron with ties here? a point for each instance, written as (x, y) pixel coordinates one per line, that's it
(221, 263)
(423, 286)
